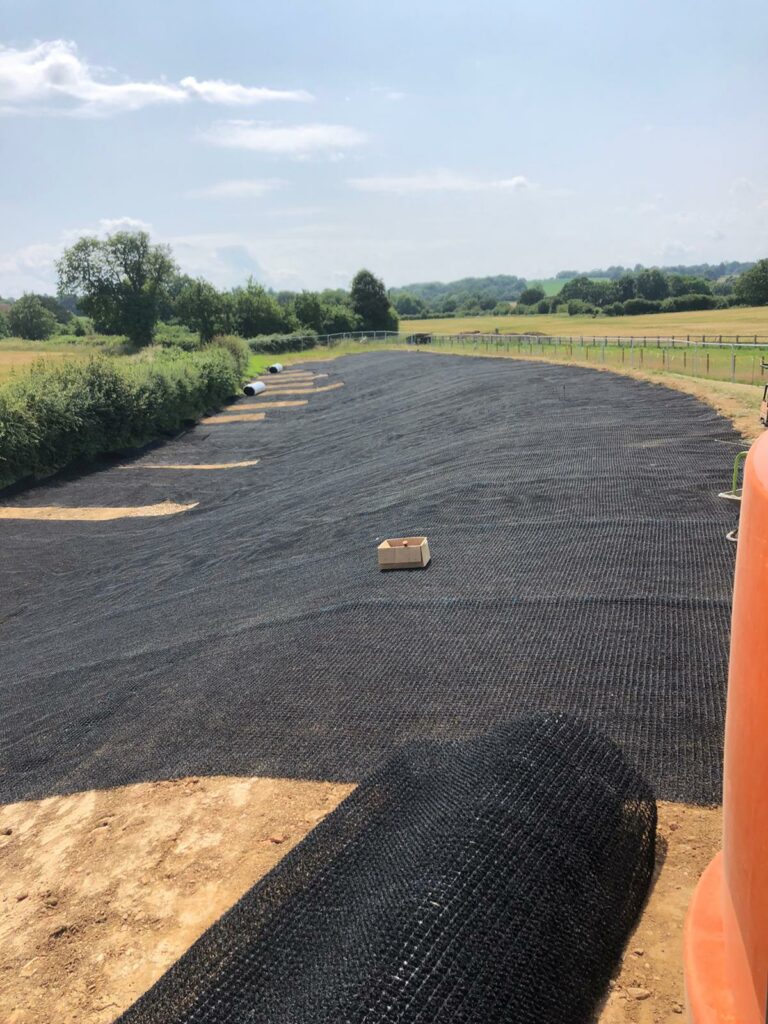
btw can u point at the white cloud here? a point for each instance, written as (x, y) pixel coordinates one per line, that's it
(233, 94)
(251, 188)
(41, 77)
(294, 140)
(439, 181)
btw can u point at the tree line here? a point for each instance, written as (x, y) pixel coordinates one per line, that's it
(650, 290)
(125, 284)
(465, 297)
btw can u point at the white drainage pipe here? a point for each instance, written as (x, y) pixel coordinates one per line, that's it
(253, 387)
(276, 368)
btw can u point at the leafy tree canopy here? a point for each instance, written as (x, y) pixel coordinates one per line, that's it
(28, 318)
(119, 282)
(369, 300)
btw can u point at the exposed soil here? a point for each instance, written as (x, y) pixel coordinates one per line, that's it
(97, 513)
(244, 417)
(284, 405)
(649, 988)
(100, 892)
(191, 465)
(302, 388)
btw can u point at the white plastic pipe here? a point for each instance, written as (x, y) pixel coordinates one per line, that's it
(253, 387)
(276, 368)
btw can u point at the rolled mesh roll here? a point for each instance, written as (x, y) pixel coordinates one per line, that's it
(494, 879)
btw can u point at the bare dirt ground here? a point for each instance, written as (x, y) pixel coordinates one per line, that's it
(102, 891)
(97, 513)
(648, 988)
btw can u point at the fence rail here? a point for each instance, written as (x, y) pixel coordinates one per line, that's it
(741, 362)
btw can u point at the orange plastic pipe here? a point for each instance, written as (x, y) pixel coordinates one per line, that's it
(726, 933)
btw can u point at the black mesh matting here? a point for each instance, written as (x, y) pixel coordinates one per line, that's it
(579, 564)
(494, 880)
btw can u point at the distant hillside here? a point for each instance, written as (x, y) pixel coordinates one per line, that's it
(710, 271)
(474, 295)
(469, 294)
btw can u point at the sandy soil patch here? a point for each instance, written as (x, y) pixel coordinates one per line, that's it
(292, 404)
(649, 987)
(95, 512)
(191, 465)
(243, 417)
(276, 378)
(304, 390)
(102, 891)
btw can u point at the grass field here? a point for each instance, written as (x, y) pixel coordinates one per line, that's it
(743, 321)
(17, 354)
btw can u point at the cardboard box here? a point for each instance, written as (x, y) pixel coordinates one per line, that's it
(404, 553)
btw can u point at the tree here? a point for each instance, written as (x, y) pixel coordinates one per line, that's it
(53, 305)
(119, 282)
(371, 303)
(531, 296)
(578, 288)
(28, 318)
(199, 307)
(752, 286)
(409, 305)
(339, 319)
(257, 312)
(624, 288)
(686, 284)
(651, 284)
(309, 310)
(5, 330)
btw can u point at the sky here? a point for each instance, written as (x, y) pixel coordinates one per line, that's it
(299, 141)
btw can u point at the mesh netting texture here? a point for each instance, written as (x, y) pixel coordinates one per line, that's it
(494, 879)
(578, 565)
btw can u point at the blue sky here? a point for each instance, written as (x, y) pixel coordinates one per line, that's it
(300, 140)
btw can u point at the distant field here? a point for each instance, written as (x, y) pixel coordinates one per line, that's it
(746, 321)
(16, 354)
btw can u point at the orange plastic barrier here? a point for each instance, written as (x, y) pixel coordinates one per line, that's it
(726, 933)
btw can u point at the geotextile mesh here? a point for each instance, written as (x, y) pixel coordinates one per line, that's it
(490, 880)
(579, 564)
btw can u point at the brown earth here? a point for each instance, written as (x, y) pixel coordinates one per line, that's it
(192, 465)
(96, 512)
(102, 891)
(648, 988)
(244, 417)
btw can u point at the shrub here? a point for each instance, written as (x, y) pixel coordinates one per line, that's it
(5, 330)
(530, 296)
(633, 307)
(237, 347)
(274, 344)
(578, 307)
(544, 306)
(176, 336)
(683, 303)
(55, 414)
(614, 309)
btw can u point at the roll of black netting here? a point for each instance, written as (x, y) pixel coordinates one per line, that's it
(493, 879)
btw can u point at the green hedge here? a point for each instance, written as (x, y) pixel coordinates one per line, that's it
(274, 344)
(55, 414)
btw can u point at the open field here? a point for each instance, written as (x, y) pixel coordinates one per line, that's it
(16, 354)
(747, 321)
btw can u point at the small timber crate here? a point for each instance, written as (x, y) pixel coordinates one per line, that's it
(404, 553)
